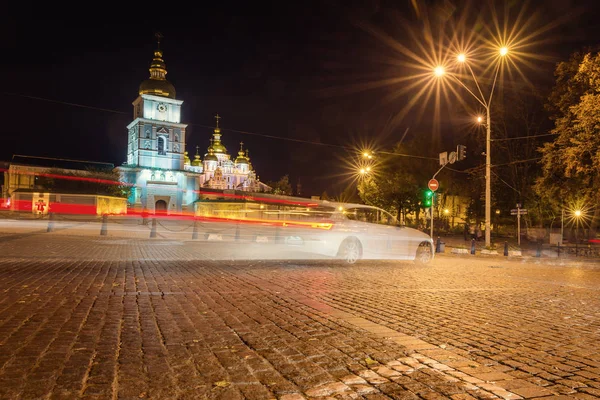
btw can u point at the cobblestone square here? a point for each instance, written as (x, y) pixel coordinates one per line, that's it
(95, 317)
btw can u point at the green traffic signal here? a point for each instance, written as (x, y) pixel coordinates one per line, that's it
(427, 199)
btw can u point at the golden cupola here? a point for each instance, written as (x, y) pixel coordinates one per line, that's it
(197, 162)
(211, 156)
(241, 158)
(186, 158)
(157, 84)
(248, 159)
(217, 146)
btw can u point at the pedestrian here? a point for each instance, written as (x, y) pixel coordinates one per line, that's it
(472, 231)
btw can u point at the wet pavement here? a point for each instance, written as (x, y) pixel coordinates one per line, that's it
(127, 318)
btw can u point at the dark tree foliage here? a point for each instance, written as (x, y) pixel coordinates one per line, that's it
(571, 162)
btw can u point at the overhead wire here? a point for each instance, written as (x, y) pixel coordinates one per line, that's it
(347, 148)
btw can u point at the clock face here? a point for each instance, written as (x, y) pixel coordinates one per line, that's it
(161, 108)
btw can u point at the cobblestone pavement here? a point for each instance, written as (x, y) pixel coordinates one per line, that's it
(105, 318)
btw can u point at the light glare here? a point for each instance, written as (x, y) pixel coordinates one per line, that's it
(503, 51)
(439, 71)
(461, 58)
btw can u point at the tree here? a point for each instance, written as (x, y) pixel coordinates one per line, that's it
(398, 182)
(571, 162)
(282, 186)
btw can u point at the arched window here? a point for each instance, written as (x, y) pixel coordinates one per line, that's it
(162, 146)
(176, 137)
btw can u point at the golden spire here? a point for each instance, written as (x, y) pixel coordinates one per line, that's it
(216, 144)
(157, 84)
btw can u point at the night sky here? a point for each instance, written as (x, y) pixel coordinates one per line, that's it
(279, 71)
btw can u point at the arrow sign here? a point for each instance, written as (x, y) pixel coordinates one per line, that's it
(433, 185)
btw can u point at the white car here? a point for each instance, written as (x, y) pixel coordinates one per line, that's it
(353, 232)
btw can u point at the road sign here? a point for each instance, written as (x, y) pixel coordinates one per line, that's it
(433, 185)
(443, 158)
(452, 157)
(519, 211)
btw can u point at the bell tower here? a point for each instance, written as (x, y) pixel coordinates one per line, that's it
(156, 136)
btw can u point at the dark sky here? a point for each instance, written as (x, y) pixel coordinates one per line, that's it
(272, 69)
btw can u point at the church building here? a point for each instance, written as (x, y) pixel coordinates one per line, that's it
(158, 167)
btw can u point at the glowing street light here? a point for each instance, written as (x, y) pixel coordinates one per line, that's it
(367, 154)
(577, 213)
(486, 103)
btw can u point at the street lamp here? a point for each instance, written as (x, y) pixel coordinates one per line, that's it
(577, 214)
(439, 71)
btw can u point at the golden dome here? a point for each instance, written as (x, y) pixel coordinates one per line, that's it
(210, 156)
(216, 144)
(157, 84)
(241, 158)
(197, 162)
(186, 158)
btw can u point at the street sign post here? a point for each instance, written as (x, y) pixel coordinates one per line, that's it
(518, 212)
(433, 185)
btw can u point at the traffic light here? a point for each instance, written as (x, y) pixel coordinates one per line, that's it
(427, 196)
(461, 151)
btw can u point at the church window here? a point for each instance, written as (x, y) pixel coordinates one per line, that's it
(176, 137)
(147, 133)
(162, 146)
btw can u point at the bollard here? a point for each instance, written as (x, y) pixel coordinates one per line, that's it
(538, 252)
(506, 249)
(438, 245)
(153, 231)
(104, 229)
(558, 249)
(195, 231)
(50, 222)
(237, 232)
(277, 228)
(472, 246)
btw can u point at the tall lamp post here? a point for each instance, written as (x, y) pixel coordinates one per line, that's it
(486, 103)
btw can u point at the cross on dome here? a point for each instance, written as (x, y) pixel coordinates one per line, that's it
(158, 36)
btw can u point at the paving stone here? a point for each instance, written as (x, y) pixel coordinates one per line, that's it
(122, 318)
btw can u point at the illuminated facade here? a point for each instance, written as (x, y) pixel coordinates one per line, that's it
(158, 166)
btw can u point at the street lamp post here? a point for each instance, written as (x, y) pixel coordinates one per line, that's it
(486, 103)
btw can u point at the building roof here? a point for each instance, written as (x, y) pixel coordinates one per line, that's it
(63, 163)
